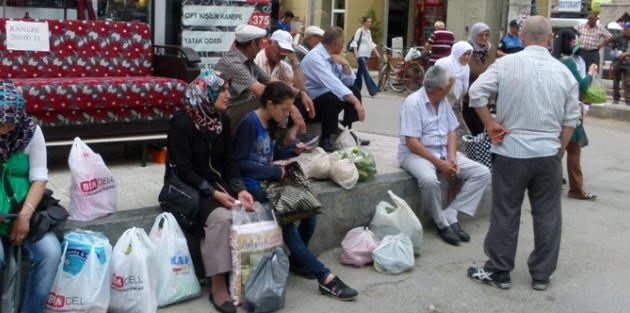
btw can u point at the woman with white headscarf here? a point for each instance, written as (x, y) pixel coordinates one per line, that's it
(484, 54)
(457, 63)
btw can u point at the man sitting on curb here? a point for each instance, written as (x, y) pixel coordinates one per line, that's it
(329, 78)
(312, 37)
(428, 145)
(248, 81)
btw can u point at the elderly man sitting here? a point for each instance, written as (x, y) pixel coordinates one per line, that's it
(428, 145)
(312, 37)
(329, 78)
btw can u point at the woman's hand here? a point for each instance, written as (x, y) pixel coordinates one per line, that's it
(19, 229)
(593, 69)
(246, 200)
(224, 199)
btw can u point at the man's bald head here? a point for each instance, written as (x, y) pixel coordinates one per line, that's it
(536, 30)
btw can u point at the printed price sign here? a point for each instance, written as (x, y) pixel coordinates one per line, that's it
(260, 19)
(29, 36)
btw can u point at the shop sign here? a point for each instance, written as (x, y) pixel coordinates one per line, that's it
(569, 5)
(209, 29)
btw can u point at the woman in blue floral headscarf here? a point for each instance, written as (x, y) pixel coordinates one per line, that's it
(23, 164)
(200, 154)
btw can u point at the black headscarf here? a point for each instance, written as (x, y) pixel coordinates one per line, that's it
(566, 43)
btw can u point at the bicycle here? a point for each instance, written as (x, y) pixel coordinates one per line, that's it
(389, 75)
(404, 74)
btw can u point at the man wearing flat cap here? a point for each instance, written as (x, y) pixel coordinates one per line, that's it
(511, 42)
(312, 37)
(248, 80)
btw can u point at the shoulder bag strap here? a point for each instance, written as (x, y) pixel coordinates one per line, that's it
(15, 207)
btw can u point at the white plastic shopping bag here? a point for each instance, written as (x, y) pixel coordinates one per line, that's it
(343, 172)
(315, 164)
(92, 184)
(252, 236)
(357, 246)
(83, 278)
(394, 255)
(345, 140)
(134, 283)
(176, 279)
(393, 219)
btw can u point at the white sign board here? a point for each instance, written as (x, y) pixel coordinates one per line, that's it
(29, 36)
(569, 6)
(201, 15)
(207, 40)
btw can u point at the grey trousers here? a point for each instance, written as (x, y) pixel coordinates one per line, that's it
(215, 247)
(542, 178)
(590, 57)
(474, 175)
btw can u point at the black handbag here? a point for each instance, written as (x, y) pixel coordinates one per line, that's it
(48, 214)
(292, 197)
(579, 136)
(179, 199)
(478, 148)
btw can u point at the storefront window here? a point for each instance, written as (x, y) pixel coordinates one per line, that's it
(339, 13)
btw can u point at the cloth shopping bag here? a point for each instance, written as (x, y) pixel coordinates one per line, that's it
(134, 283)
(92, 184)
(176, 279)
(84, 275)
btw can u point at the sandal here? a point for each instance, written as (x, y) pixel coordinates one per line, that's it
(586, 196)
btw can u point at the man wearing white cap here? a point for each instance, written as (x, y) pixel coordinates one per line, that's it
(248, 80)
(312, 37)
(272, 60)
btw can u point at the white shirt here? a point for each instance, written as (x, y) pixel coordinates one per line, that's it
(366, 46)
(418, 119)
(538, 95)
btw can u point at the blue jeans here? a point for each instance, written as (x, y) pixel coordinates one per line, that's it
(365, 73)
(44, 256)
(296, 238)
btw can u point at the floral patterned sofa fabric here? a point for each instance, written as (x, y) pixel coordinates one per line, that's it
(96, 73)
(83, 49)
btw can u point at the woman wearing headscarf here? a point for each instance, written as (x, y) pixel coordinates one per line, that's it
(566, 48)
(457, 63)
(23, 162)
(484, 54)
(199, 149)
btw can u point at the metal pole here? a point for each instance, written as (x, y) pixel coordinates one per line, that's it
(4, 9)
(533, 10)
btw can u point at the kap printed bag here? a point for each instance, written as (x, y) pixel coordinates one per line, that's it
(84, 275)
(92, 184)
(133, 287)
(176, 279)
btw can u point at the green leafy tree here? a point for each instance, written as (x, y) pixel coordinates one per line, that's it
(376, 28)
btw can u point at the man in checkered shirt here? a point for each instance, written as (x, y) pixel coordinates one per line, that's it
(592, 38)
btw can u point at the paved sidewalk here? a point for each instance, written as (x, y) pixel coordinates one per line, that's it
(592, 275)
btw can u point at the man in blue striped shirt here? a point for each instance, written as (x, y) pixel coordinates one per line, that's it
(428, 144)
(329, 78)
(537, 111)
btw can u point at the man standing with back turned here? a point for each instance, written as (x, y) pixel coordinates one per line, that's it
(537, 112)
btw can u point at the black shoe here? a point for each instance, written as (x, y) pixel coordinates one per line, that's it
(448, 235)
(540, 284)
(299, 271)
(360, 141)
(225, 307)
(615, 101)
(464, 236)
(328, 145)
(496, 279)
(337, 289)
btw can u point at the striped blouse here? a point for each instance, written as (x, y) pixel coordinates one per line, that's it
(538, 96)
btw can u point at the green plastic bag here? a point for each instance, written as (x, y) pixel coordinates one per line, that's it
(363, 161)
(596, 92)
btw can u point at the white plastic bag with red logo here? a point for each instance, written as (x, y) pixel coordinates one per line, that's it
(83, 276)
(133, 274)
(92, 184)
(176, 279)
